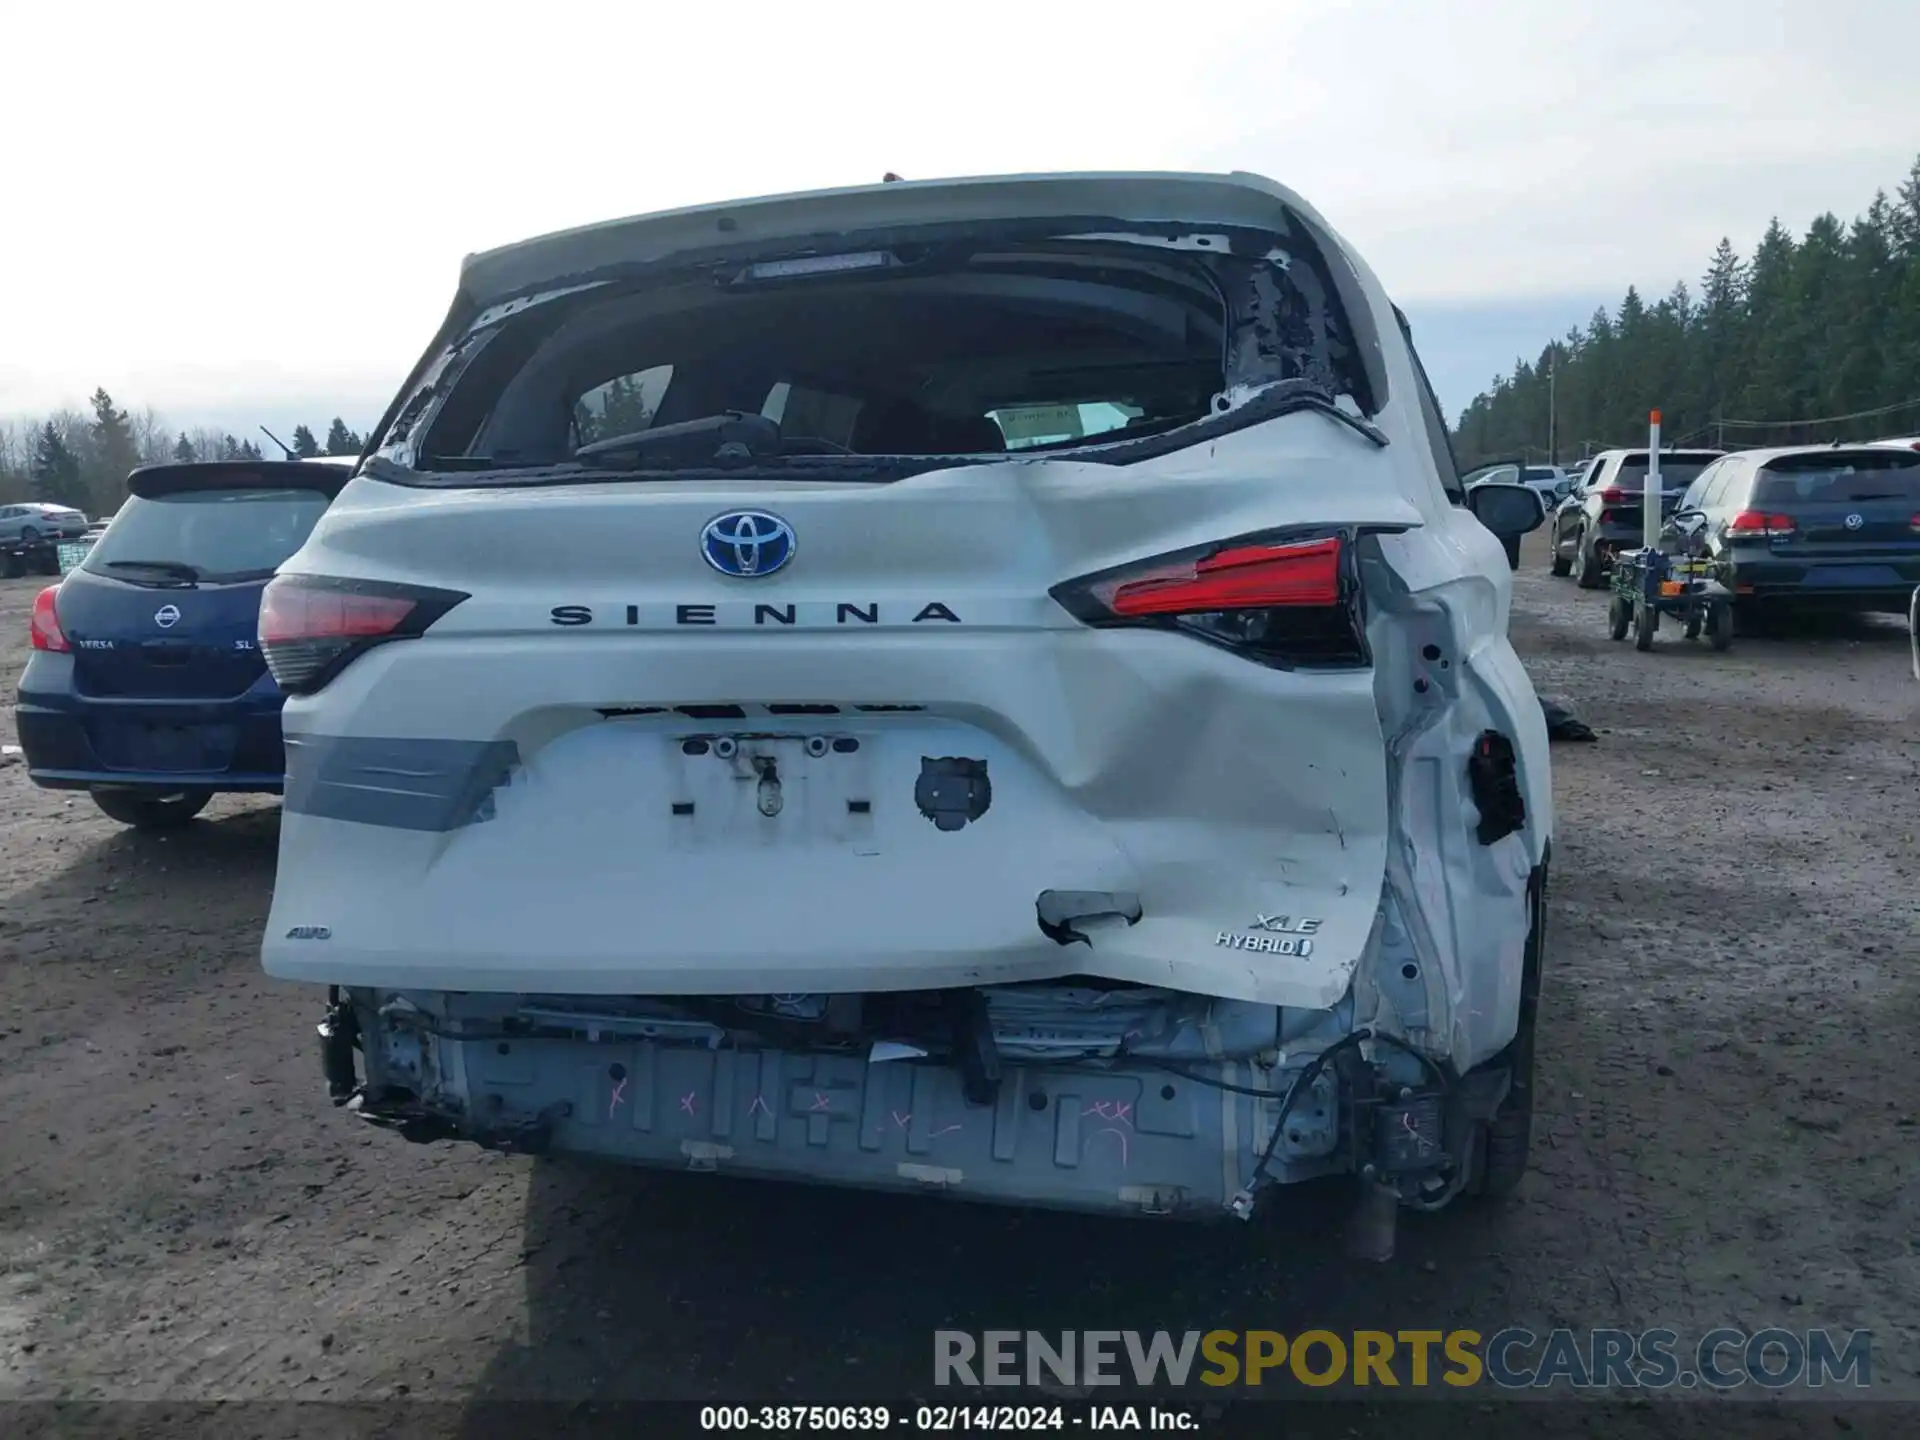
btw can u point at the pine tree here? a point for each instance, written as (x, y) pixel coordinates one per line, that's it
(341, 440)
(1800, 331)
(1864, 295)
(114, 453)
(55, 471)
(1904, 222)
(230, 448)
(1769, 366)
(1719, 330)
(183, 450)
(304, 445)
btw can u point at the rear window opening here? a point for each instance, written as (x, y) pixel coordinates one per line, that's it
(205, 536)
(1850, 479)
(981, 351)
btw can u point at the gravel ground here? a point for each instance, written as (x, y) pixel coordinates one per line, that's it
(1724, 1137)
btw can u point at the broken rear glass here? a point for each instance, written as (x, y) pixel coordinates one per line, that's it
(971, 349)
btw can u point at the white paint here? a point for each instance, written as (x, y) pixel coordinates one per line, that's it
(1122, 760)
(1650, 501)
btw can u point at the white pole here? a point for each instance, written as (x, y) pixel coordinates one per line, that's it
(1650, 505)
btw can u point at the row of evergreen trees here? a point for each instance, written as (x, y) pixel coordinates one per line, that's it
(83, 459)
(1803, 342)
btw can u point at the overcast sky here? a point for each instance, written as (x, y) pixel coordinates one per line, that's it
(257, 211)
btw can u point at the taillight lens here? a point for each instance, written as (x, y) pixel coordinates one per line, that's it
(313, 626)
(1282, 601)
(1616, 495)
(1757, 525)
(46, 633)
(1914, 523)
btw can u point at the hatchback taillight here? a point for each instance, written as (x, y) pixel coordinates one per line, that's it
(45, 632)
(313, 626)
(1757, 525)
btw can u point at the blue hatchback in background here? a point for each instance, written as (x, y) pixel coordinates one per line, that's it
(145, 685)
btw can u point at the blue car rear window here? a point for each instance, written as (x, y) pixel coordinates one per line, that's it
(221, 534)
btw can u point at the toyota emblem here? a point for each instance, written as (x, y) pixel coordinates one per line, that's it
(747, 544)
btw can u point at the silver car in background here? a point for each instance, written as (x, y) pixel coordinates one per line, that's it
(31, 521)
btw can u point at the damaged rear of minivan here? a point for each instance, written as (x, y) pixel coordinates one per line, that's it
(983, 686)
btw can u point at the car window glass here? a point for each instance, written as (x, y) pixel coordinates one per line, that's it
(1696, 495)
(620, 406)
(1841, 480)
(1727, 484)
(1030, 425)
(222, 534)
(805, 413)
(1677, 472)
(1438, 438)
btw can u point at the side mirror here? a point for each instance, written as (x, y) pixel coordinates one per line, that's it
(1509, 511)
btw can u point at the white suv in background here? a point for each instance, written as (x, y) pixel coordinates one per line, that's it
(710, 745)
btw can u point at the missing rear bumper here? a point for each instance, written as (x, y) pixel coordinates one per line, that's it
(1026, 1103)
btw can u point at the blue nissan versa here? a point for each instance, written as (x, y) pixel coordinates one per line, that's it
(145, 685)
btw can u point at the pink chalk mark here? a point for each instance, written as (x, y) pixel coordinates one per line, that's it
(1119, 1135)
(1111, 1110)
(900, 1121)
(820, 1102)
(619, 1093)
(947, 1130)
(760, 1105)
(686, 1101)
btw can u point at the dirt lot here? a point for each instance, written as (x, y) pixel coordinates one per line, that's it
(1725, 1136)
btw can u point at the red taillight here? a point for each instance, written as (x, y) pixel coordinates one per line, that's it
(1282, 602)
(1245, 577)
(313, 626)
(1617, 495)
(1914, 523)
(1757, 525)
(46, 633)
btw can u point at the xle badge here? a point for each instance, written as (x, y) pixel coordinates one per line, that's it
(1275, 935)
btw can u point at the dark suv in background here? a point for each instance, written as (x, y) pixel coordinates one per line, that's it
(145, 685)
(1828, 527)
(1601, 514)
